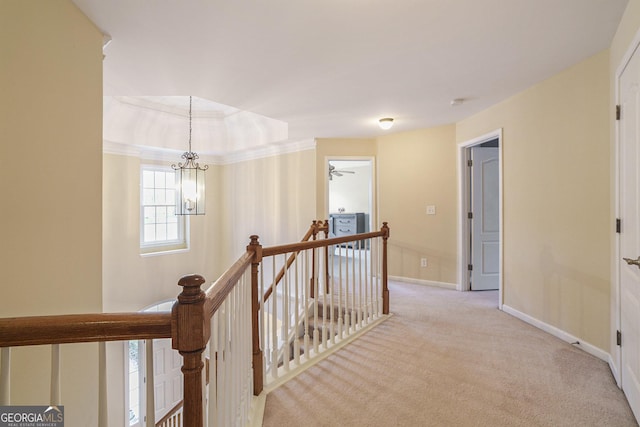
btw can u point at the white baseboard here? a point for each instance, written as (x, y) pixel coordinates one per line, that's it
(614, 371)
(256, 415)
(559, 333)
(423, 282)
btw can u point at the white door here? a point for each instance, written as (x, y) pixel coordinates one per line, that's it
(167, 377)
(485, 222)
(630, 232)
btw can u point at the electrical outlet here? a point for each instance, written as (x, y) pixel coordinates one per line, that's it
(423, 262)
(431, 210)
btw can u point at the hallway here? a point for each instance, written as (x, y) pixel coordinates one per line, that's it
(447, 358)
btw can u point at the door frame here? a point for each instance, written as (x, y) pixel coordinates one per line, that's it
(615, 358)
(464, 228)
(373, 192)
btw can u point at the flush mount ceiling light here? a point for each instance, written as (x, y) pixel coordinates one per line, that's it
(385, 123)
(457, 101)
(190, 181)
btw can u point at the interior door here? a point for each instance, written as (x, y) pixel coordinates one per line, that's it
(167, 377)
(629, 198)
(485, 222)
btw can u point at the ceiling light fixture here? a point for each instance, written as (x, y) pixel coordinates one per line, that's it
(457, 101)
(385, 123)
(190, 181)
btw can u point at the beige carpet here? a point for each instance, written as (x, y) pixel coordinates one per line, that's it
(449, 358)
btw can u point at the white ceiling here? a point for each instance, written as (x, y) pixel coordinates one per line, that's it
(331, 68)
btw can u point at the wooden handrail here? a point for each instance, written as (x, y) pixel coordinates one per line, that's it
(301, 246)
(76, 328)
(314, 228)
(170, 414)
(217, 292)
(189, 322)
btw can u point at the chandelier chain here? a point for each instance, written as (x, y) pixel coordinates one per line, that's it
(190, 123)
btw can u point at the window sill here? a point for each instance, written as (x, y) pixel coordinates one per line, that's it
(159, 251)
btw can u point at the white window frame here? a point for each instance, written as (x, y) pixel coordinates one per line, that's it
(160, 247)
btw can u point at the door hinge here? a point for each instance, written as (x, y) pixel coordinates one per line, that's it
(618, 225)
(470, 267)
(470, 215)
(617, 112)
(469, 163)
(618, 338)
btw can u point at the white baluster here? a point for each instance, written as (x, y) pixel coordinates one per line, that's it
(341, 308)
(5, 376)
(316, 334)
(332, 330)
(103, 410)
(323, 286)
(306, 286)
(54, 394)
(274, 325)
(212, 411)
(366, 284)
(285, 317)
(296, 342)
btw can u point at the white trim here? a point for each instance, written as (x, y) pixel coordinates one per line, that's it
(463, 204)
(615, 361)
(614, 371)
(182, 242)
(256, 413)
(423, 282)
(168, 156)
(558, 333)
(266, 151)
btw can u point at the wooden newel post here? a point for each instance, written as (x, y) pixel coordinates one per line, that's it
(385, 275)
(256, 248)
(190, 333)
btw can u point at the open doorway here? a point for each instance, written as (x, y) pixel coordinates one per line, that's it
(163, 392)
(480, 241)
(350, 195)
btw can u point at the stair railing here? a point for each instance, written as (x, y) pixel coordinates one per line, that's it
(331, 290)
(314, 229)
(232, 324)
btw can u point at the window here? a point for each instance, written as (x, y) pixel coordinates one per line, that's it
(160, 229)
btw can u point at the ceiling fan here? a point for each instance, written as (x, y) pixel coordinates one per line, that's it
(336, 172)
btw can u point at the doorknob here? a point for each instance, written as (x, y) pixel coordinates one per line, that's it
(635, 262)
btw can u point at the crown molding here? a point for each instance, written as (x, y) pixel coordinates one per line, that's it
(269, 150)
(168, 155)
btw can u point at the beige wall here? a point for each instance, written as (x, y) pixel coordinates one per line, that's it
(272, 197)
(50, 180)
(557, 225)
(416, 169)
(132, 281)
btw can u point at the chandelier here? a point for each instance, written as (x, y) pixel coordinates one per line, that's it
(190, 198)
